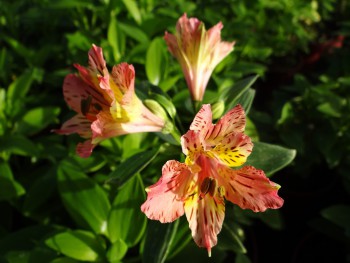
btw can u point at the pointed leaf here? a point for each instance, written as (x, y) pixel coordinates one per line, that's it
(126, 221)
(231, 94)
(37, 119)
(85, 200)
(117, 251)
(156, 61)
(116, 38)
(134, 32)
(181, 239)
(339, 215)
(158, 241)
(77, 244)
(9, 187)
(270, 158)
(136, 163)
(246, 100)
(230, 240)
(17, 144)
(133, 9)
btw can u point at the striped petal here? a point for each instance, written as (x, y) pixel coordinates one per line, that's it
(232, 121)
(165, 198)
(249, 188)
(77, 124)
(202, 122)
(205, 216)
(75, 90)
(233, 149)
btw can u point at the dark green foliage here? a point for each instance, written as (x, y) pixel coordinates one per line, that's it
(57, 207)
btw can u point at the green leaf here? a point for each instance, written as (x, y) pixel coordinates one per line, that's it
(231, 94)
(27, 238)
(135, 164)
(37, 119)
(156, 61)
(339, 215)
(85, 200)
(246, 100)
(126, 221)
(20, 87)
(158, 241)
(229, 240)
(39, 193)
(116, 38)
(241, 258)
(9, 188)
(133, 9)
(166, 103)
(134, 33)
(71, 4)
(117, 251)
(77, 244)
(272, 218)
(329, 109)
(270, 158)
(64, 260)
(181, 239)
(17, 144)
(251, 130)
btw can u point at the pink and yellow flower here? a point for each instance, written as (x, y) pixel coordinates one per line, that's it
(200, 186)
(198, 51)
(106, 104)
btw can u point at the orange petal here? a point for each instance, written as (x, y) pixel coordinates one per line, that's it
(165, 198)
(205, 217)
(249, 188)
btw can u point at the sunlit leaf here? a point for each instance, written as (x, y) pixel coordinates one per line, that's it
(116, 38)
(37, 119)
(117, 251)
(86, 202)
(156, 61)
(133, 9)
(270, 158)
(77, 244)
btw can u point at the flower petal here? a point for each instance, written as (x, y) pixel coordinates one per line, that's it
(165, 198)
(232, 121)
(77, 124)
(84, 150)
(191, 145)
(205, 217)
(233, 149)
(203, 120)
(75, 90)
(97, 62)
(249, 188)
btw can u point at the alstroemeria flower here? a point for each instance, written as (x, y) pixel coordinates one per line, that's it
(106, 104)
(200, 186)
(198, 51)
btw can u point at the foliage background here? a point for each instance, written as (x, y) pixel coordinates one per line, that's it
(298, 48)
